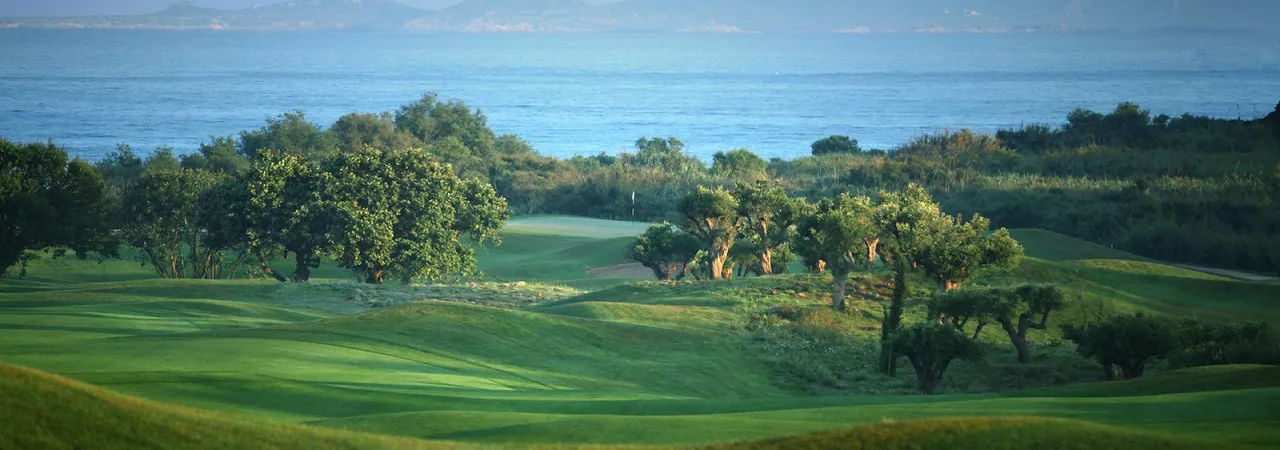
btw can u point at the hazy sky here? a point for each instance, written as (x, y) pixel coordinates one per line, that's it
(94, 7)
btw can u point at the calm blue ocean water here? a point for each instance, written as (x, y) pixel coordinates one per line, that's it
(577, 94)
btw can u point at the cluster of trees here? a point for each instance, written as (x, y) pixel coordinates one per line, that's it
(48, 202)
(1125, 344)
(753, 224)
(373, 193)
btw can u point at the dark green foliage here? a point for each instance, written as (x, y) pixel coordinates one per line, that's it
(48, 202)
(289, 133)
(841, 232)
(664, 153)
(738, 163)
(217, 156)
(353, 132)
(834, 144)
(931, 347)
(160, 215)
(666, 250)
(1212, 344)
(1127, 341)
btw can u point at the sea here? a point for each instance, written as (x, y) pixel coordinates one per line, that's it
(577, 94)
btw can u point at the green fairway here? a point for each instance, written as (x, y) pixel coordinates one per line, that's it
(540, 351)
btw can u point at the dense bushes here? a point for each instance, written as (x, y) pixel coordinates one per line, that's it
(1129, 342)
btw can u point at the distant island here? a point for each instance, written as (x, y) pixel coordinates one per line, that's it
(695, 16)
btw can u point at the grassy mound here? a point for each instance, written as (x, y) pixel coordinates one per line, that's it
(1047, 245)
(986, 434)
(43, 411)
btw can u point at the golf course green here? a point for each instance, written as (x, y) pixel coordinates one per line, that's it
(555, 346)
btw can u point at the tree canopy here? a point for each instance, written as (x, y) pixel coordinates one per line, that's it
(931, 347)
(48, 202)
(835, 144)
(665, 249)
(838, 232)
(711, 216)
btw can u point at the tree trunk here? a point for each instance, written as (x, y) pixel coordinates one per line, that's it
(266, 269)
(301, 270)
(717, 258)
(1018, 336)
(766, 262)
(1133, 370)
(838, 279)
(766, 257)
(1024, 350)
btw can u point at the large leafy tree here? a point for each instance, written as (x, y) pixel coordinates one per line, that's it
(909, 221)
(353, 132)
(451, 131)
(838, 232)
(769, 220)
(403, 215)
(286, 214)
(49, 202)
(665, 250)
(1127, 341)
(959, 249)
(931, 347)
(161, 217)
(711, 216)
(739, 163)
(219, 155)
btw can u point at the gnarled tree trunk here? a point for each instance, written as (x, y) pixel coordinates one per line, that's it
(838, 280)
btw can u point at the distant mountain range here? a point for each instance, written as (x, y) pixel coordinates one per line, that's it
(723, 16)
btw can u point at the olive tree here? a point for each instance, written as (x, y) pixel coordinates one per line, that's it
(711, 216)
(1017, 310)
(958, 249)
(837, 232)
(1127, 341)
(769, 219)
(908, 223)
(931, 347)
(665, 250)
